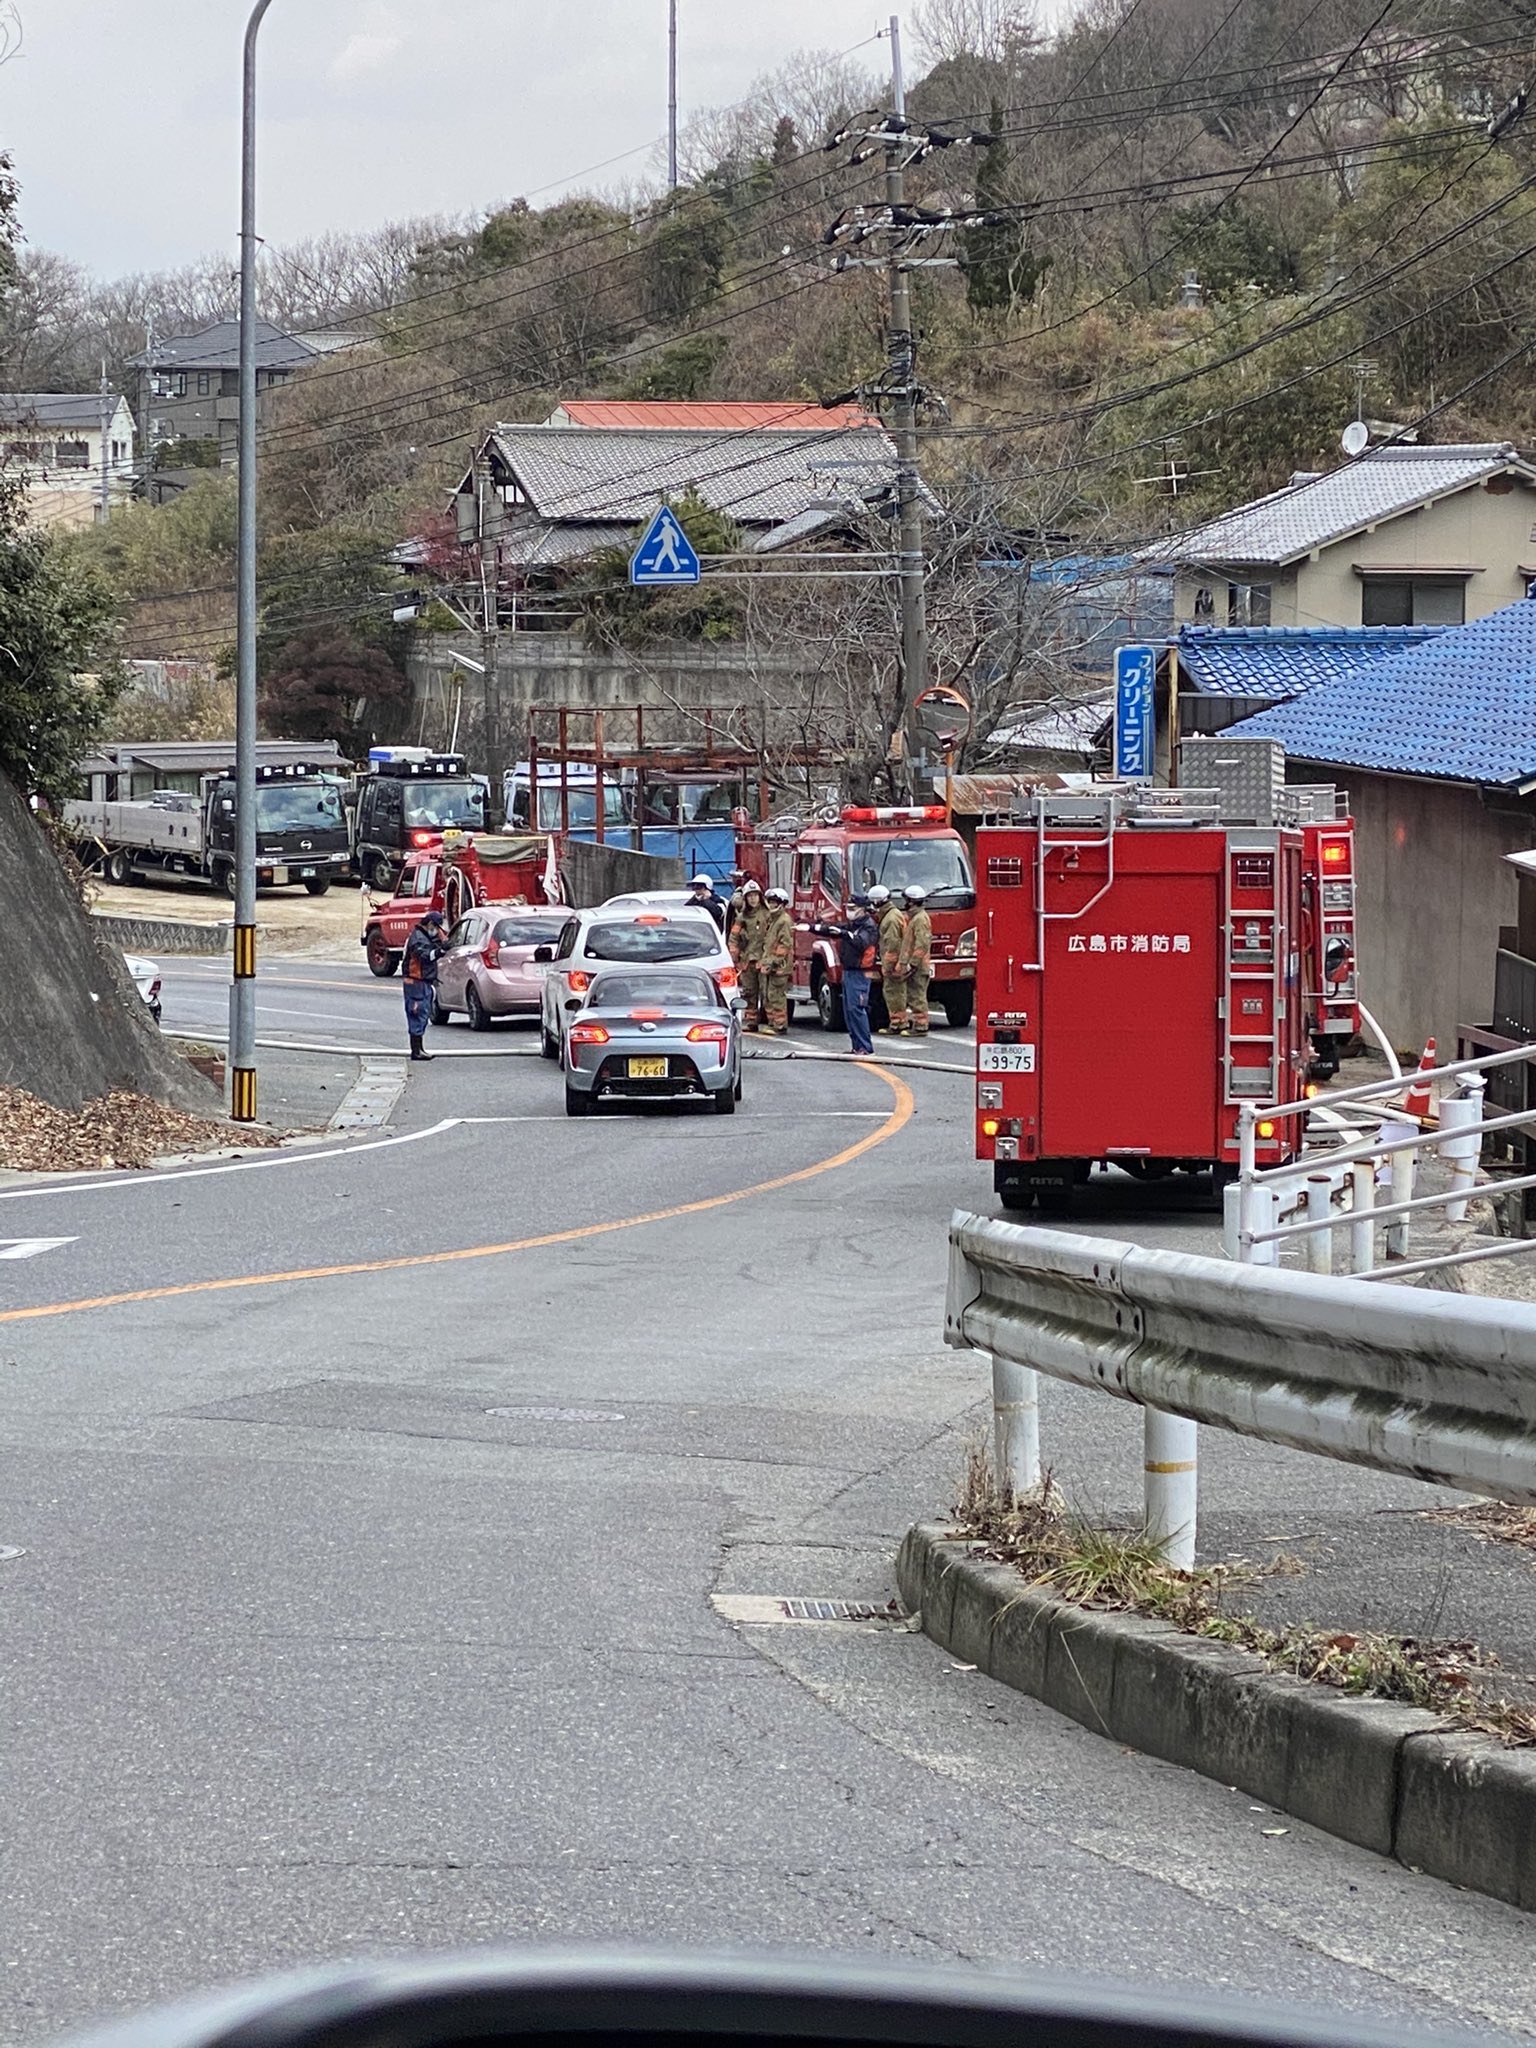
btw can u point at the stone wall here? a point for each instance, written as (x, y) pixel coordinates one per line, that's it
(561, 668)
(72, 1024)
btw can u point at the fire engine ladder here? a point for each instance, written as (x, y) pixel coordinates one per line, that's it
(1251, 1056)
(1053, 808)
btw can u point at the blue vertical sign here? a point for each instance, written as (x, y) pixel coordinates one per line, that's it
(1135, 732)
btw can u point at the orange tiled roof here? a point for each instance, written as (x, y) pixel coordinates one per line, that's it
(724, 413)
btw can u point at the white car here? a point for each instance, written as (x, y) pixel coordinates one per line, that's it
(146, 979)
(619, 936)
(654, 899)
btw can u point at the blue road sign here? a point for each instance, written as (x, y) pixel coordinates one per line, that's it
(1135, 680)
(666, 554)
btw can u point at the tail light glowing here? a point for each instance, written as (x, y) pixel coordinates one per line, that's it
(579, 981)
(647, 1016)
(588, 1034)
(707, 1034)
(726, 977)
(650, 917)
(421, 839)
(491, 953)
(1335, 853)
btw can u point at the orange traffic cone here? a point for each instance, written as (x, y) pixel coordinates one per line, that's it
(1416, 1102)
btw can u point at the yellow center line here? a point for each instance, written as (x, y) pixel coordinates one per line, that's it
(897, 1119)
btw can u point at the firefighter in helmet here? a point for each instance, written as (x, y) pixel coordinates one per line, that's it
(916, 958)
(892, 922)
(746, 944)
(778, 961)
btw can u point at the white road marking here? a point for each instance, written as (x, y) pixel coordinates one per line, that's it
(238, 1167)
(29, 1247)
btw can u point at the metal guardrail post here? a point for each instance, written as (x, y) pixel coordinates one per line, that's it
(1462, 1149)
(1170, 1459)
(1400, 1173)
(1362, 1221)
(1016, 1426)
(1317, 1202)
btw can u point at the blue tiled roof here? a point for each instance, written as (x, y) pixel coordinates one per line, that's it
(1461, 708)
(1284, 661)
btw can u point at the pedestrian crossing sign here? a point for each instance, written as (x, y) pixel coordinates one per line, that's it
(665, 555)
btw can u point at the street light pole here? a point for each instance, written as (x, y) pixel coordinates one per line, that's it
(909, 487)
(242, 993)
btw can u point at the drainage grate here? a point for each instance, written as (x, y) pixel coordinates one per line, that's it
(558, 1414)
(842, 1610)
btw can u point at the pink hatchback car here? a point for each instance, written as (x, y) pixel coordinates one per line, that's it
(489, 970)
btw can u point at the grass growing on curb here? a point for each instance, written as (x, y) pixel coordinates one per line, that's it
(1120, 1570)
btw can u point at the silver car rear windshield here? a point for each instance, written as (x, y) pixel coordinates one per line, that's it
(654, 991)
(692, 941)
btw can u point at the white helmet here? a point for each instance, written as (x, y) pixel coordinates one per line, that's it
(915, 895)
(701, 882)
(776, 895)
(879, 893)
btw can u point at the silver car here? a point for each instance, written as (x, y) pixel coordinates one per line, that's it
(649, 1033)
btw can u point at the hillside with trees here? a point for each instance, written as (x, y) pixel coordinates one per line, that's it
(1194, 237)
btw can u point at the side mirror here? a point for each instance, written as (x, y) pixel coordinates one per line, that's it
(543, 952)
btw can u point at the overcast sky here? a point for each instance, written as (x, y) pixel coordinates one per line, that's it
(123, 115)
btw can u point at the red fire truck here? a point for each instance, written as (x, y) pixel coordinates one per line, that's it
(1328, 933)
(1246, 774)
(899, 846)
(453, 877)
(1139, 979)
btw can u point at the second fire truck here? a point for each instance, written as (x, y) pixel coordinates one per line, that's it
(852, 850)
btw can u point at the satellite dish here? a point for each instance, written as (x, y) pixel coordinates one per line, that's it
(1356, 438)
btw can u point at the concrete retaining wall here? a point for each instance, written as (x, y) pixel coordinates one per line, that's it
(162, 934)
(591, 874)
(1390, 1778)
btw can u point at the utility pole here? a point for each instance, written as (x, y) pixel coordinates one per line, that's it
(488, 525)
(671, 95)
(104, 489)
(903, 391)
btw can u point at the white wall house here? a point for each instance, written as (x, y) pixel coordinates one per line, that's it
(53, 441)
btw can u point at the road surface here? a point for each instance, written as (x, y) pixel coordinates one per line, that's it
(371, 1503)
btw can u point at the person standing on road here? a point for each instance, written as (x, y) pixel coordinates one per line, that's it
(736, 901)
(778, 961)
(916, 959)
(423, 949)
(703, 897)
(893, 978)
(857, 946)
(746, 944)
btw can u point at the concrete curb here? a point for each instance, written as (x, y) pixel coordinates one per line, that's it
(163, 934)
(1395, 1779)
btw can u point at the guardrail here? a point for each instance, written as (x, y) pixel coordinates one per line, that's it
(1312, 1197)
(1430, 1386)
